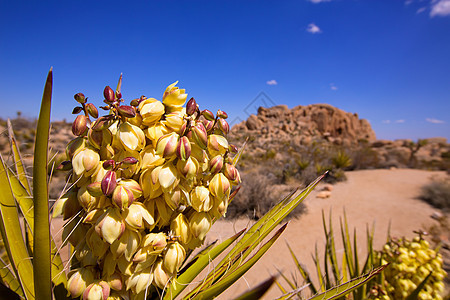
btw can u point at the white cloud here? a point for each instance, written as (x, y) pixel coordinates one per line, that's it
(408, 2)
(434, 121)
(400, 121)
(333, 87)
(421, 10)
(440, 8)
(386, 121)
(318, 1)
(271, 82)
(313, 28)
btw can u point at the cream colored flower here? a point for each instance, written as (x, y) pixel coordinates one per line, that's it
(174, 96)
(131, 137)
(151, 111)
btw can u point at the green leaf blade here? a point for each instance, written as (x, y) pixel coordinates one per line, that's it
(42, 249)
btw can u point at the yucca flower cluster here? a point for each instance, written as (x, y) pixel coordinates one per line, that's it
(410, 262)
(148, 180)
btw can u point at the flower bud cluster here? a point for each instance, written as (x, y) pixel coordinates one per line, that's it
(148, 180)
(410, 262)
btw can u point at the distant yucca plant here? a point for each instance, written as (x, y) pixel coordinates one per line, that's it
(341, 160)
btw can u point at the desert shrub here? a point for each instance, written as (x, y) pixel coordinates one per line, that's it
(364, 157)
(335, 175)
(270, 153)
(437, 193)
(257, 196)
(341, 160)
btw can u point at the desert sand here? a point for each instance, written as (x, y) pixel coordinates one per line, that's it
(368, 196)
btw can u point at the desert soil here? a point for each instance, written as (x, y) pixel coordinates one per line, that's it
(369, 197)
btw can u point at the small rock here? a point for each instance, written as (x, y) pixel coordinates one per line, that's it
(323, 194)
(327, 187)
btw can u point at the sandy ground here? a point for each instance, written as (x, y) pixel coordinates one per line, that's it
(369, 197)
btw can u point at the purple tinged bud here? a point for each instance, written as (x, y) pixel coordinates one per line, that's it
(183, 129)
(118, 95)
(208, 115)
(95, 138)
(95, 189)
(200, 136)
(122, 197)
(130, 160)
(92, 110)
(167, 144)
(109, 164)
(208, 125)
(233, 148)
(65, 166)
(79, 126)
(222, 114)
(109, 183)
(134, 102)
(126, 111)
(184, 148)
(77, 110)
(94, 293)
(223, 125)
(80, 98)
(108, 93)
(191, 107)
(100, 123)
(230, 172)
(216, 164)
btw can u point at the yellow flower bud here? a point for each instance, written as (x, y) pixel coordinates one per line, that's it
(200, 199)
(78, 281)
(217, 144)
(174, 257)
(150, 183)
(110, 225)
(155, 242)
(156, 131)
(164, 211)
(199, 224)
(151, 111)
(180, 226)
(168, 176)
(140, 281)
(97, 291)
(167, 145)
(188, 168)
(174, 120)
(115, 281)
(136, 214)
(95, 243)
(85, 162)
(122, 197)
(126, 245)
(75, 146)
(219, 186)
(84, 198)
(131, 137)
(160, 276)
(149, 158)
(128, 170)
(173, 96)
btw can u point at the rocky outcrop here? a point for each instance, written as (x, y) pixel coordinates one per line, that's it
(306, 122)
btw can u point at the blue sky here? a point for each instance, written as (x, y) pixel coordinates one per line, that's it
(387, 60)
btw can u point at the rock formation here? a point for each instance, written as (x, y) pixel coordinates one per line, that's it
(306, 122)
